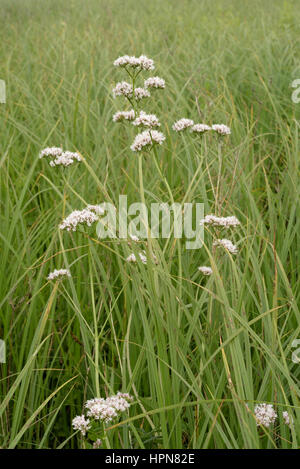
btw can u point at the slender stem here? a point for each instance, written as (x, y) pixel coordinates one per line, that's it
(142, 191)
(96, 338)
(161, 175)
(164, 179)
(218, 195)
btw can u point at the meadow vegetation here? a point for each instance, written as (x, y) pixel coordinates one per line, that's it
(196, 352)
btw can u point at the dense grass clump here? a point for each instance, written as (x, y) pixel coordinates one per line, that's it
(197, 353)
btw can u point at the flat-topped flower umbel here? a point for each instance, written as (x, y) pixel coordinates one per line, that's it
(224, 222)
(182, 124)
(226, 244)
(146, 120)
(59, 157)
(221, 129)
(87, 216)
(101, 410)
(147, 139)
(205, 270)
(142, 62)
(265, 414)
(155, 83)
(59, 274)
(124, 115)
(200, 128)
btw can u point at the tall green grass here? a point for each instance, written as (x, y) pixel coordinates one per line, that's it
(192, 351)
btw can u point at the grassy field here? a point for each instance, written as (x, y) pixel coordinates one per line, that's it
(196, 353)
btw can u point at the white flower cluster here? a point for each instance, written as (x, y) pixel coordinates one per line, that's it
(142, 62)
(225, 222)
(142, 255)
(226, 244)
(265, 414)
(123, 88)
(287, 420)
(149, 121)
(134, 238)
(205, 270)
(221, 129)
(200, 128)
(155, 82)
(97, 444)
(60, 157)
(140, 93)
(124, 115)
(51, 151)
(147, 139)
(96, 208)
(58, 274)
(65, 159)
(146, 120)
(87, 216)
(132, 258)
(108, 409)
(182, 124)
(104, 410)
(81, 423)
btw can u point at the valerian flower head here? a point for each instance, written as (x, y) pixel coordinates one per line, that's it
(147, 139)
(182, 124)
(124, 115)
(79, 217)
(146, 120)
(155, 83)
(143, 257)
(132, 258)
(265, 414)
(51, 151)
(107, 409)
(81, 423)
(60, 157)
(200, 128)
(141, 93)
(59, 274)
(224, 222)
(96, 208)
(221, 129)
(142, 62)
(145, 63)
(97, 444)
(226, 244)
(205, 270)
(287, 419)
(123, 88)
(65, 159)
(134, 238)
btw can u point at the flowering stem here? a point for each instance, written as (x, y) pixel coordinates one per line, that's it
(218, 196)
(164, 179)
(161, 175)
(142, 191)
(96, 338)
